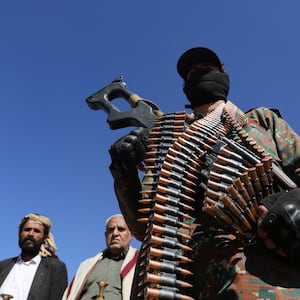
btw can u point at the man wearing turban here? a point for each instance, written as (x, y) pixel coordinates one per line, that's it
(37, 273)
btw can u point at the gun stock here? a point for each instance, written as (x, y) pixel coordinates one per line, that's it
(142, 114)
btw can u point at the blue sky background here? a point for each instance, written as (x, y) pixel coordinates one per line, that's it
(54, 148)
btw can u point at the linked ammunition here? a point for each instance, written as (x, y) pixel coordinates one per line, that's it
(152, 293)
(148, 201)
(168, 200)
(248, 185)
(233, 208)
(175, 184)
(168, 231)
(188, 148)
(181, 142)
(236, 165)
(153, 153)
(262, 174)
(277, 172)
(211, 123)
(157, 148)
(172, 118)
(191, 157)
(168, 127)
(239, 199)
(164, 130)
(244, 193)
(154, 160)
(179, 169)
(166, 266)
(221, 178)
(217, 186)
(226, 169)
(167, 281)
(268, 169)
(169, 221)
(146, 210)
(240, 150)
(179, 161)
(175, 193)
(211, 208)
(170, 210)
(194, 146)
(213, 194)
(168, 242)
(162, 139)
(143, 220)
(256, 183)
(167, 254)
(176, 175)
(232, 155)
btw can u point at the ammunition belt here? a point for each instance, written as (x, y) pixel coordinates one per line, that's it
(179, 158)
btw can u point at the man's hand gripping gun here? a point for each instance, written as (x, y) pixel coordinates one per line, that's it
(143, 111)
(127, 152)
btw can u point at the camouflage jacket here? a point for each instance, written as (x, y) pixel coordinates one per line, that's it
(224, 268)
(275, 135)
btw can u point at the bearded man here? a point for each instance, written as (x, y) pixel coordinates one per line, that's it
(37, 273)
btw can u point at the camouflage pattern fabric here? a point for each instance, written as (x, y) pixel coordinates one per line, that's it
(226, 269)
(223, 267)
(278, 138)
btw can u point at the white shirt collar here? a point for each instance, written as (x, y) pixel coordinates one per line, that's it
(35, 260)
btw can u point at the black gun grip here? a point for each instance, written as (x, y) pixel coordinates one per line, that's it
(141, 115)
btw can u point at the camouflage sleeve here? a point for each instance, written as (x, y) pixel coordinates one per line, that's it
(278, 138)
(127, 187)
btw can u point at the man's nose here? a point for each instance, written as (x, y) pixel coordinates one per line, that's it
(30, 232)
(116, 231)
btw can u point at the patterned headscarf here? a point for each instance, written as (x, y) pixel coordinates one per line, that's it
(48, 248)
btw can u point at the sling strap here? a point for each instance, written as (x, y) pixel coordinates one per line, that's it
(130, 265)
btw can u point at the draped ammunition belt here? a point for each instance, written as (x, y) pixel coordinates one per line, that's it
(180, 158)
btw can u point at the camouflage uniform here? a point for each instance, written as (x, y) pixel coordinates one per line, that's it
(226, 269)
(278, 138)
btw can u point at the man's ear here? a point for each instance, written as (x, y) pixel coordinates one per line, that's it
(45, 238)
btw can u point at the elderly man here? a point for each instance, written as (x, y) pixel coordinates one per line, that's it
(37, 273)
(113, 267)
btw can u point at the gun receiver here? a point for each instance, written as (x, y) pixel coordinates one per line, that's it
(143, 111)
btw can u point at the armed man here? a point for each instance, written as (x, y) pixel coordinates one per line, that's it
(218, 205)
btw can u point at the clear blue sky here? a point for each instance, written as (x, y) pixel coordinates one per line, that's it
(53, 54)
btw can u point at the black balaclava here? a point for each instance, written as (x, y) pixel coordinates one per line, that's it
(204, 86)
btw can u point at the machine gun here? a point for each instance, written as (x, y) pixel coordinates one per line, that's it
(143, 114)
(143, 111)
(164, 264)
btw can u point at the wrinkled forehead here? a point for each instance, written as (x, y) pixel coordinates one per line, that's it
(117, 221)
(33, 224)
(30, 223)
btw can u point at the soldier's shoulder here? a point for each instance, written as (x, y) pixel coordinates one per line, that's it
(264, 111)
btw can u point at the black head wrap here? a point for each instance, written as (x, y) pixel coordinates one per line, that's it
(202, 88)
(203, 85)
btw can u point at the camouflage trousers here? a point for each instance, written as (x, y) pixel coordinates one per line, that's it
(262, 278)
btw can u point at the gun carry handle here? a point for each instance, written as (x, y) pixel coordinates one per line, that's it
(142, 114)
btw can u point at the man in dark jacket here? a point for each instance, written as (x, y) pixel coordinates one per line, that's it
(37, 274)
